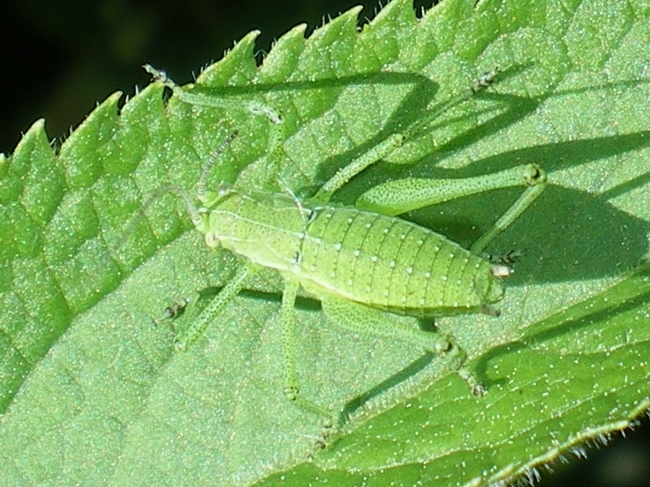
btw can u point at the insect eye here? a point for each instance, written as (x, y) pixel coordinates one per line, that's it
(212, 239)
(223, 189)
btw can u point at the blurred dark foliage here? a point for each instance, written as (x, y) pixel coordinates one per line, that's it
(59, 58)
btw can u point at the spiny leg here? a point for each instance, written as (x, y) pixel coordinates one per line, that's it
(193, 332)
(387, 146)
(373, 322)
(402, 195)
(291, 388)
(276, 131)
(483, 81)
(536, 179)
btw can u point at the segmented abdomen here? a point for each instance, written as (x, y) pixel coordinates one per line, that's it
(392, 264)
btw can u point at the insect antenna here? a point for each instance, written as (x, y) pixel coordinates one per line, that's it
(193, 211)
(191, 208)
(201, 193)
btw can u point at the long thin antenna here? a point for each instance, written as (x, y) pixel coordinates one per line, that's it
(200, 191)
(189, 205)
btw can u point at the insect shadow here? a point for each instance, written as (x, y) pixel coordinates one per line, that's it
(176, 314)
(409, 123)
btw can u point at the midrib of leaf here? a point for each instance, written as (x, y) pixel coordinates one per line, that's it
(112, 390)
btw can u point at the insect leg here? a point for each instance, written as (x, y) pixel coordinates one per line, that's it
(402, 195)
(194, 97)
(291, 388)
(193, 332)
(481, 83)
(535, 178)
(381, 150)
(346, 173)
(369, 321)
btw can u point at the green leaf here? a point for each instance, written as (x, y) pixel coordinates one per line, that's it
(92, 390)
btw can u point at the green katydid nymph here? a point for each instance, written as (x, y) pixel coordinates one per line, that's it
(362, 262)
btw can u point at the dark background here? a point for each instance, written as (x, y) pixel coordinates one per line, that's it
(58, 58)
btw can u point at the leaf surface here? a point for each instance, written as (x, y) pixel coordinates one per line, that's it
(93, 392)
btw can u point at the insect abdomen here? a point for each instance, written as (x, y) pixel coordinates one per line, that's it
(393, 264)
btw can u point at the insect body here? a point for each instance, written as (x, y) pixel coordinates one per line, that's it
(380, 261)
(362, 263)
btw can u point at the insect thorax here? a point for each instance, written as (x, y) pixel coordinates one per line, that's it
(267, 228)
